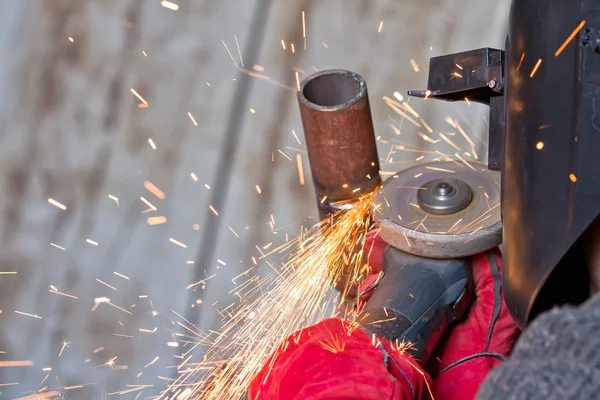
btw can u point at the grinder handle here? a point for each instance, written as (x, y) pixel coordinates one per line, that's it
(417, 299)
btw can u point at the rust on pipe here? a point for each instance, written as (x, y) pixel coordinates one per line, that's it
(334, 106)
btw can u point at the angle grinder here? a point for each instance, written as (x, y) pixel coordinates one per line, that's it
(433, 216)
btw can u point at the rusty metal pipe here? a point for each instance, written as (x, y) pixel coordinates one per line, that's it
(334, 106)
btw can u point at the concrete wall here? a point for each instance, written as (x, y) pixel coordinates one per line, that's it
(71, 130)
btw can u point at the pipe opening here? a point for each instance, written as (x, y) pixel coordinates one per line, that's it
(334, 89)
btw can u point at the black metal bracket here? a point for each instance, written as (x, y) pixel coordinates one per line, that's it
(476, 75)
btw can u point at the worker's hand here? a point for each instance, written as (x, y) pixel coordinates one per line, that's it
(473, 346)
(335, 359)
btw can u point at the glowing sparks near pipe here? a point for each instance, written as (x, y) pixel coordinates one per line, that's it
(571, 36)
(151, 142)
(298, 296)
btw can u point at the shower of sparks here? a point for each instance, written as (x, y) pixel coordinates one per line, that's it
(300, 169)
(140, 98)
(571, 36)
(239, 51)
(535, 68)
(192, 118)
(380, 27)
(230, 55)
(154, 190)
(169, 5)
(152, 143)
(298, 296)
(414, 65)
(57, 204)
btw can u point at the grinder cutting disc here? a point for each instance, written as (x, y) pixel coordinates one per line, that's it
(441, 210)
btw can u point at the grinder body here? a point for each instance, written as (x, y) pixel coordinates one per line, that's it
(417, 299)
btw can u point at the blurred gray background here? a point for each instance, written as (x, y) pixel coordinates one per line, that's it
(71, 130)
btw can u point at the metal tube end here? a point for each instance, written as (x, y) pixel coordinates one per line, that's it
(340, 138)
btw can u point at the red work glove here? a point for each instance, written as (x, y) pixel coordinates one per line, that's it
(336, 360)
(475, 345)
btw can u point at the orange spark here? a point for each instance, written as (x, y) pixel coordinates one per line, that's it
(380, 27)
(573, 178)
(300, 169)
(154, 190)
(4, 364)
(571, 36)
(156, 220)
(534, 70)
(140, 98)
(539, 145)
(521, 62)
(414, 65)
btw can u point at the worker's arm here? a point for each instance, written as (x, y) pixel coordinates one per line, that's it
(336, 360)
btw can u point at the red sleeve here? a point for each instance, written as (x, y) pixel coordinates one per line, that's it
(336, 360)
